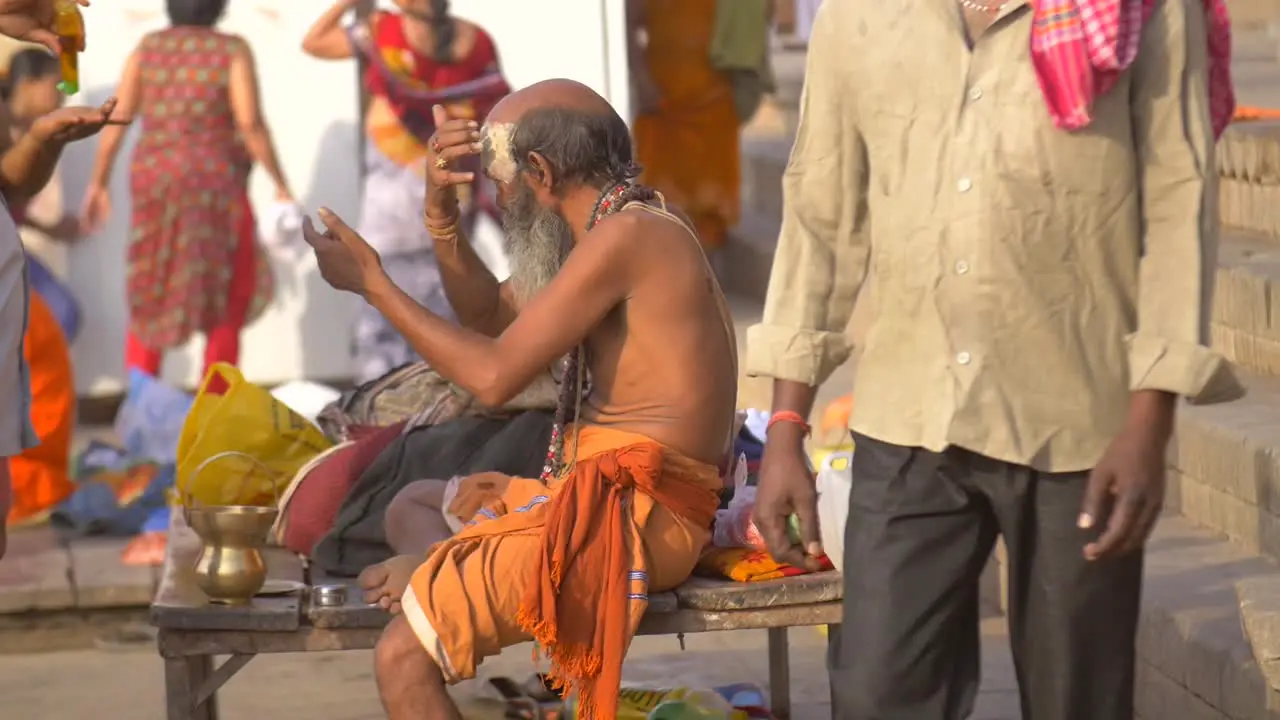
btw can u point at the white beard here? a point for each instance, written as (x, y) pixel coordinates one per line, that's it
(537, 241)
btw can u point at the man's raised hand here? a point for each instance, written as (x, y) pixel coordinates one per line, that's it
(453, 139)
(345, 260)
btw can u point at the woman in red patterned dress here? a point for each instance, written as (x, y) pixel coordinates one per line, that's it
(194, 262)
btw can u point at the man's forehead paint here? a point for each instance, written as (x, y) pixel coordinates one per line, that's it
(495, 154)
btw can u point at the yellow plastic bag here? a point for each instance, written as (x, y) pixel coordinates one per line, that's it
(245, 419)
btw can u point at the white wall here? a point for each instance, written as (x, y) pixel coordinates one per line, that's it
(312, 109)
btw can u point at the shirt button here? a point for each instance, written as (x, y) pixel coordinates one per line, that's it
(962, 267)
(975, 94)
(964, 185)
(963, 358)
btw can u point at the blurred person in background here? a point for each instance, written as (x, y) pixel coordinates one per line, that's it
(194, 262)
(689, 102)
(41, 475)
(30, 91)
(25, 167)
(418, 57)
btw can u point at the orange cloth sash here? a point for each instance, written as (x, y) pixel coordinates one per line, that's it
(588, 589)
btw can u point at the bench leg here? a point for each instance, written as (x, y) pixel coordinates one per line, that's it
(779, 673)
(833, 631)
(183, 679)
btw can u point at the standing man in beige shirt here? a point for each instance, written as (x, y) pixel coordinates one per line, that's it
(1043, 267)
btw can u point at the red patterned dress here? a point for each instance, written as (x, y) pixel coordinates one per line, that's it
(194, 264)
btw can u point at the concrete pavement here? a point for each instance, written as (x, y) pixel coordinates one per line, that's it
(129, 685)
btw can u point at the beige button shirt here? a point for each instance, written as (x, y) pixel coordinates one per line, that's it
(1027, 278)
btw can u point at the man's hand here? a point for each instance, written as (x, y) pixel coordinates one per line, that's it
(453, 139)
(1127, 485)
(786, 486)
(69, 124)
(346, 261)
(32, 21)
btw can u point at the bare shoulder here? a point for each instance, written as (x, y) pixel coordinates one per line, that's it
(638, 233)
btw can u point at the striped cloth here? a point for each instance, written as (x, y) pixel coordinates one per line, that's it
(1080, 47)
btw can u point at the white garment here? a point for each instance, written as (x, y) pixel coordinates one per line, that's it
(391, 206)
(806, 11)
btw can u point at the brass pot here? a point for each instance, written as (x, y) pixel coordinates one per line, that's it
(230, 568)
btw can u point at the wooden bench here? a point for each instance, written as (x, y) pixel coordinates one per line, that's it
(193, 630)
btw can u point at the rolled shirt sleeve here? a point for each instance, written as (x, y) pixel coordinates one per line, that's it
(822, 255)
(1178, 182)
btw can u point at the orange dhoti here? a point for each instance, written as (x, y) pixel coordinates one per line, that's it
(569, 565)
(688, 147)
(41, 475)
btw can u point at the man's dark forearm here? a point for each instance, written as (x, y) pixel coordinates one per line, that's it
(791, 396)
(1153, 410)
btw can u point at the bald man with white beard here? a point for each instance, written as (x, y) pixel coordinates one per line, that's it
(607, 274)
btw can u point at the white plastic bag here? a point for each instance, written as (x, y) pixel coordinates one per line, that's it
(280, 227)
(733, 526)
(834, 483)
(305, 397)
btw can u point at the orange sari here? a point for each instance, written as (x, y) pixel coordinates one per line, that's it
(41, 475)
(689, 148)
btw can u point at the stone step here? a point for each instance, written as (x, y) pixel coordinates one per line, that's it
(1246, 307)
(1224, 469)
(1248, 15)
(1250, 151)
(1195, 660)
(1248, 158)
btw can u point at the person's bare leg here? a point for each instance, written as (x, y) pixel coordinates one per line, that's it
(415, 520)
(410, 683)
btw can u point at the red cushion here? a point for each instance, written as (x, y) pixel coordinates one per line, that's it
(310, 509)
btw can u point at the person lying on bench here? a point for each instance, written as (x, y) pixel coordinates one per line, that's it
(609, 275)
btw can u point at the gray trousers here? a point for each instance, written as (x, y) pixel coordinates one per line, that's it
(921, 528)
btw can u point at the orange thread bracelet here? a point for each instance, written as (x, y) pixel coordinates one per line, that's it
(787, 416)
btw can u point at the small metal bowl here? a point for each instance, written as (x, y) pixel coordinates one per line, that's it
(329, 595)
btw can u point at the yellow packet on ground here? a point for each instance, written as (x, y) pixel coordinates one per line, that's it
(635, 703)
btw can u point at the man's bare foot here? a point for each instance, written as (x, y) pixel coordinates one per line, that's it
(384, 583)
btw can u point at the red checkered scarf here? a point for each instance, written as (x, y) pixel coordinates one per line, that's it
(1080, 47)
